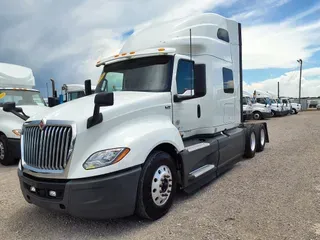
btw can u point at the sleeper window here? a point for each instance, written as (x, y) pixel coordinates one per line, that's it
(228, 82)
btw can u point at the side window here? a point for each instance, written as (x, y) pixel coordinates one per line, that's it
(223, 35)
(185, 78)
(261, 100)
(113, 81)
(228, 82)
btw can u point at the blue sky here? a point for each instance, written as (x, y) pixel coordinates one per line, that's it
(63, 39)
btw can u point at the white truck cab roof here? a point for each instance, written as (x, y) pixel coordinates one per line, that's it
(15, 76)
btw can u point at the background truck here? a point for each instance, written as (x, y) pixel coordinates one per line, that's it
(286, 105)
(73, 91)
(296, 107)
(277, 107)
(261, 105)
(174, 123)
(16, 85)
(247, 105)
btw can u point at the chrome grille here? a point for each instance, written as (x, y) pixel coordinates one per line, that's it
(48, 148)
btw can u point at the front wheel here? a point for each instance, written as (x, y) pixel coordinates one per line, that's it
(5, 156)
(257, 116)
(157, 186)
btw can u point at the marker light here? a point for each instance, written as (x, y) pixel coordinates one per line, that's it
(161, 49)
(17, 132)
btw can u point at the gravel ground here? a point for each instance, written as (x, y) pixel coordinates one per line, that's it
(273, 196)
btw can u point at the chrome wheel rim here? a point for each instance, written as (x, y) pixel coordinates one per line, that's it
(262, 136)
(256, 116)
(1, 151)
(253, 141)
(161, 186)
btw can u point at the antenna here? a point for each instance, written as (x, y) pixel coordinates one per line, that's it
(191, 60)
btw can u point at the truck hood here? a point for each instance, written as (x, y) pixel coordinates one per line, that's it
(79, 110)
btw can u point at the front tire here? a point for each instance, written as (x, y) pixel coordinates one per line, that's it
(157, 186)
(5, 157)
(257, 116)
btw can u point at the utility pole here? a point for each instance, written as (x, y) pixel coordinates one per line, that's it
(278, 90)
(300, 61)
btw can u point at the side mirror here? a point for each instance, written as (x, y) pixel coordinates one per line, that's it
(11, 107)
(102, 99)
(87, 87)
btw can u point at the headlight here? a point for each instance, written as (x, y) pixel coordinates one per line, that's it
(17, 132)
(105, 157)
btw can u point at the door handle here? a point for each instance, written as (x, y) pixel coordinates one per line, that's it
(199, 111)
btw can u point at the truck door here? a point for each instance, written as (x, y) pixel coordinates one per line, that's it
(186, 108)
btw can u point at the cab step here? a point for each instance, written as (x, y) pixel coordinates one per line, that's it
(200, 171)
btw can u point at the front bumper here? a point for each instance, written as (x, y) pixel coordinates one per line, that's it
(266, 115)
(14, 147)
(108, 196)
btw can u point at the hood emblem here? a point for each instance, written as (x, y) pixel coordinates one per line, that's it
(42, 124)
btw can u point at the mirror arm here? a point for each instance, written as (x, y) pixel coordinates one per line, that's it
(96, 118)
(23, 117)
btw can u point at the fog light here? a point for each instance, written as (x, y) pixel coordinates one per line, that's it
(52, 193)
(32, 189)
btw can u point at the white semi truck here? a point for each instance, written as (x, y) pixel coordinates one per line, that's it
(261, 105)
(277, 107)
(73, 91)
(116, 153)
(16, 85)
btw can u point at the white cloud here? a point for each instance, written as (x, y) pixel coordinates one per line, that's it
(75, 33)
(289, 84)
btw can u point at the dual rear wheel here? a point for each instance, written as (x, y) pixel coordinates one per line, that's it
(255, 140)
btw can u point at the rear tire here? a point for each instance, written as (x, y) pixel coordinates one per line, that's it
(6, 158)
(250, 145)
(157, 186)
(261, 138)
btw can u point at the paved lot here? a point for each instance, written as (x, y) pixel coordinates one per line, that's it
(273, 196)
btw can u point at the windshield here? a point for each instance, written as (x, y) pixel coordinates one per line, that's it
(246, 101)
(21, 97)
(149, 74)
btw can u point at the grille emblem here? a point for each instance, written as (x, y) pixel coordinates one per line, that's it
(42, 124)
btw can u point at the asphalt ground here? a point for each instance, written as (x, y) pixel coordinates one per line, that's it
(272, 196)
